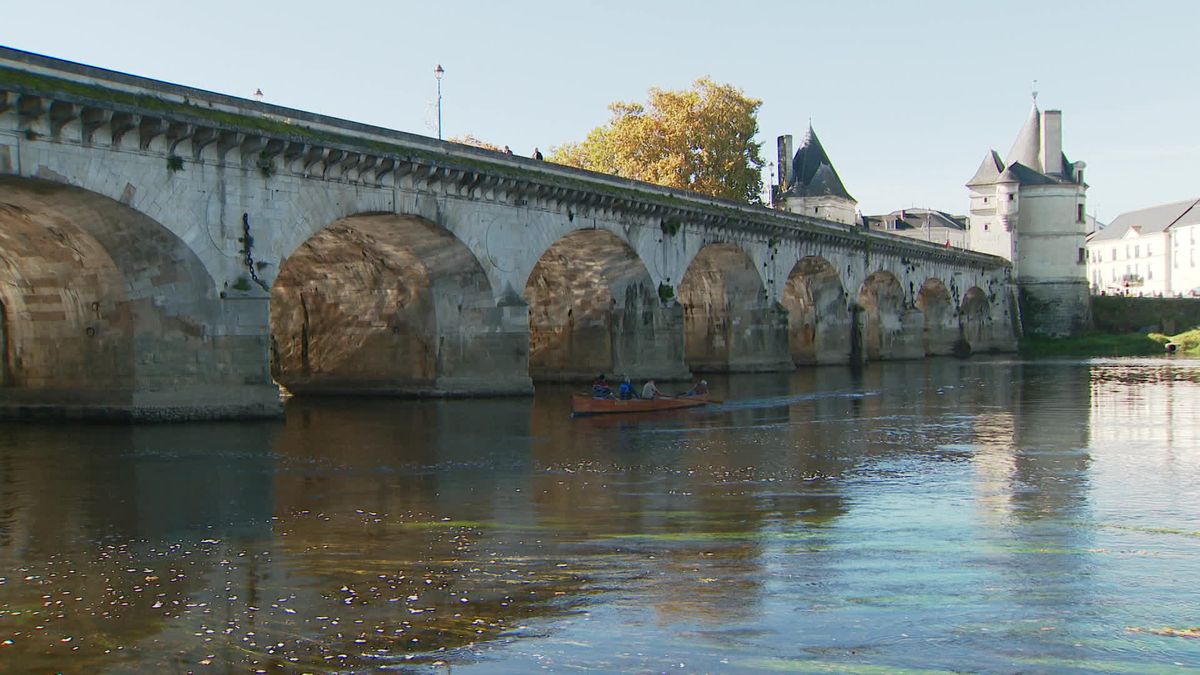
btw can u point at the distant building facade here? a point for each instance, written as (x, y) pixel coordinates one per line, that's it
(1150, 251)
(808, 183)
(1030, 208)
(937, 227)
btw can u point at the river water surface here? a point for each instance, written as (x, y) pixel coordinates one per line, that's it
(983, 515)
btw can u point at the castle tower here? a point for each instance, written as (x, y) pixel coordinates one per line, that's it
(808, 183)
(1030, 209)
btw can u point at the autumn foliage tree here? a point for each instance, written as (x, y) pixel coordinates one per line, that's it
(699, 139)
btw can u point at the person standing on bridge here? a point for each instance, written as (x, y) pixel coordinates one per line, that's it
(537, 154)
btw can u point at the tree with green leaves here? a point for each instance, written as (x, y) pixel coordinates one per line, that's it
(699, 139)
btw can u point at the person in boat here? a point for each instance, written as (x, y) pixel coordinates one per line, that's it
(625, 391)
(700, 389)
(650, 391)
(601, 388)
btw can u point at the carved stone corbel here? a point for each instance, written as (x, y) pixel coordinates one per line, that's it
(312, 156)
(121, 124)
(92, 119)
(386, 166)
(330, 160)
(177, 132)
(226, 141)
(61, 114)
(30, 107)
(367, 165)
(202, 137)
(149, 129)
(347, 164)
(293, 152)
(249, 148)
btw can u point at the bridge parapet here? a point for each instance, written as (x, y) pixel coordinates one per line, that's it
(50, 93)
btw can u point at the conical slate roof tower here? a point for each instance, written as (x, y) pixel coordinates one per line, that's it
(808, 183)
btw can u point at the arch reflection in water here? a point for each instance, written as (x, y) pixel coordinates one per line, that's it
(812, 515)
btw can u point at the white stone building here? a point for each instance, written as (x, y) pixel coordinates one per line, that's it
(1148, 252)
(808, 183)
(933, 226)
(1030, 209)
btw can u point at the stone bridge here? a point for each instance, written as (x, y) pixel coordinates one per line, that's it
(172, 253)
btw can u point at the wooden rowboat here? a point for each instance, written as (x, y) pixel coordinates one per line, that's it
(585, 404)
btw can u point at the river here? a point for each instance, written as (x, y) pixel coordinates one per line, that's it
(989, 515)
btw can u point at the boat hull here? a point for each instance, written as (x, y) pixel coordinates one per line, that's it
(583, 404)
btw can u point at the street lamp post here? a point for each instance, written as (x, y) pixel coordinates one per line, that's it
(438, 73)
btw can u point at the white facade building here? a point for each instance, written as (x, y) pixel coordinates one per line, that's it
(936, 227)
(1148, 252)
(1030, 209)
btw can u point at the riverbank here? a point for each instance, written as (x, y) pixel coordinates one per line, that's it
(1108, 344)
(1128, 326)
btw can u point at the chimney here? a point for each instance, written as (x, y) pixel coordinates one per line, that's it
(1052, 142)
(785, 160)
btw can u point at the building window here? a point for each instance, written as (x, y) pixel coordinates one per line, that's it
(1011, 197)
(1149, 272)
(1137, 251)
(1081, 216)
(1082, 255)
(1148, 253)
(985, 200)
(985, 227)
(1114, 254)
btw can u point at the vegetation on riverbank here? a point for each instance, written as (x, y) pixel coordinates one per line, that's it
(1107, 344)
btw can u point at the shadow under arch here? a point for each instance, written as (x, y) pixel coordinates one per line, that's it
(593, 308)
(973, 328)
(108, 314)
(390, 304)
(938, 332)
(881, 299)
(818, 322)
(728, 324)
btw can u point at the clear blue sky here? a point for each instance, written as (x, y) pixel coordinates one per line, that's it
(906, 96)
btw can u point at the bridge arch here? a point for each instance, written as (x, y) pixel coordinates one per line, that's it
(818, 323)
(729, 325)
(938, 329)
(383, 303)
(106, 312)
(593, 308)
(973, 324)
(881, 302)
